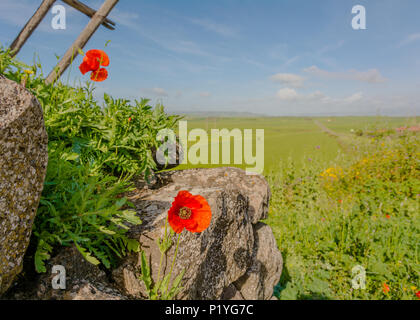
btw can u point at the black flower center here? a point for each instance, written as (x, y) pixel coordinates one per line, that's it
(185, 213)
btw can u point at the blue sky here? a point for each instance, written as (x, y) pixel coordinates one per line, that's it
(275, 57)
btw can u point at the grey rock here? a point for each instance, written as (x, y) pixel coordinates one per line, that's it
(264, 273)
(232, 293)
(84, 281)
(216, 259)
(232, 259)
(23, 164)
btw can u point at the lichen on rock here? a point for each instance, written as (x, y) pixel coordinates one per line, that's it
(235, 258)
(23, 164)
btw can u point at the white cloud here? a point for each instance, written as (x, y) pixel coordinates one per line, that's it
(319, 104)
(124, 18)
(409, 39)
(318, 95)
(316, 98)
(205, 94)
(288, 79)
(291, 61)
(221, 29)
(168, 37)
(330, 47)
(287, 94)
(159, 92)
(173, 43)
(369, 76)
(16, 13)
(354, 97)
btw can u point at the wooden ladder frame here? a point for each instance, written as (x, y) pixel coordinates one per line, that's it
(97, 18)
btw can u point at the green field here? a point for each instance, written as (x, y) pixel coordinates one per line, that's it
(344, 195)
(345, 124)
(297, 138)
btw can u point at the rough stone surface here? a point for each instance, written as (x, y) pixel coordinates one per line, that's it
(258, 282)
(235, 258)
(84, 281)
(23, 163)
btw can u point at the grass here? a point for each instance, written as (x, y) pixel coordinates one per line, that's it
(345, 124)
(284, 138)
(297, 138)
(340, 200)
(325, 226)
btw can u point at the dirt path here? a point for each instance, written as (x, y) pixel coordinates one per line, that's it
(343, 145)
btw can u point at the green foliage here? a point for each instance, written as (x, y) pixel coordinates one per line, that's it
(160, 290)
(118, 138)
(93, 150)
(82, 206)
(362, 210)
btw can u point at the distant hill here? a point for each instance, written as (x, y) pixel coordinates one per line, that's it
(219, 114)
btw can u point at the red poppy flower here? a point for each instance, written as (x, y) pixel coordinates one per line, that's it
(385, 288)
(99, 75)
(92, 61)
(190, 212)
(418, 294)
(388, 216)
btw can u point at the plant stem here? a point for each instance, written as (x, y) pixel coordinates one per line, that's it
(162, 253)
(173, 261)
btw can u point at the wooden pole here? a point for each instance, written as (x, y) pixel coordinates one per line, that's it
(31, 26)
(97, 19)
(89, 12)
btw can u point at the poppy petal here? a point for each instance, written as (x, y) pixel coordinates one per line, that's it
(191, 225)
(188, 200)
(175, 221)
(84, 67)
(177, 227)
(98, 55)
(93, 63)
(200, 217)
(99, 75)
